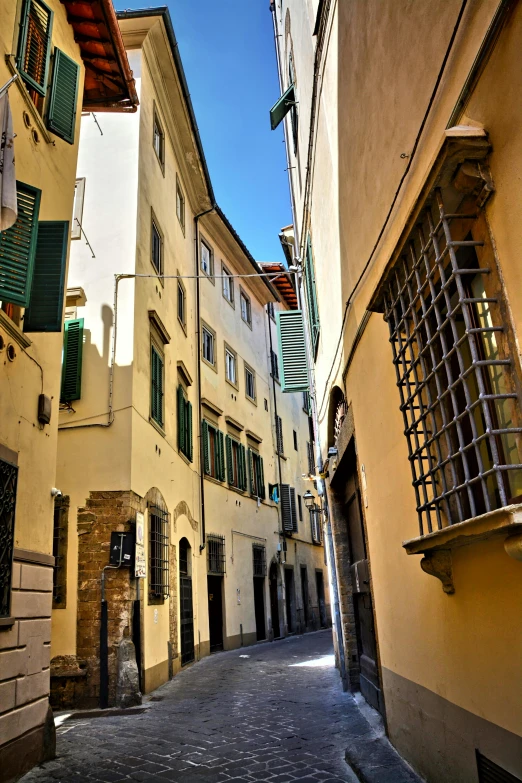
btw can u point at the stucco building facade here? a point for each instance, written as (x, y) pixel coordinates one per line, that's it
(403, 136)
(168, 408)
(48, 83)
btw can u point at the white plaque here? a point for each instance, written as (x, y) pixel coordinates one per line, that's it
(140, 564)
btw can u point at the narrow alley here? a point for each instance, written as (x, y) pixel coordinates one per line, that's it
(274, 712)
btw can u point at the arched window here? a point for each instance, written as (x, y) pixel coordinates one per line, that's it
(158, 552)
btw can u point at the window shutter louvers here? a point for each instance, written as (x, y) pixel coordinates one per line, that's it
(61, 117)
(230, 465)
(156, 386)
(311, 295)
(282, 107)
(279, 435)
(250, 460)
(188, 435)
(46, 300)
(241, 467)
(72, 361)
(18, 248)
(260, 478)
(292, 350)
(294, 510)
(286, 509)
(220, 456)
(206, 449)
(34, 44)
(182, 442)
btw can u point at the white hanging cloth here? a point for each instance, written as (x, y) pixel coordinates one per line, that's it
(8, 205)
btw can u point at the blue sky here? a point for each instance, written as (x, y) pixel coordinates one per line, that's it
(227, 49)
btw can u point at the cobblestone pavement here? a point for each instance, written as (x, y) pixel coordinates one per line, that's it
(273, 712)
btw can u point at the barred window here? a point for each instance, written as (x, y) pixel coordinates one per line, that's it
(315, 522)
(60, 536)
(8, 481)
(279, 435)
(259, 559)
(452, 350)
(216, 560)
(158, 553)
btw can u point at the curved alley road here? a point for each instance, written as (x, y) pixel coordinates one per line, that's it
(273, 712)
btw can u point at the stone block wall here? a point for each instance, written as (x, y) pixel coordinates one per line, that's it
(24, 665)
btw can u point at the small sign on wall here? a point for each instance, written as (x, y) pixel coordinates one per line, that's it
(140, 563)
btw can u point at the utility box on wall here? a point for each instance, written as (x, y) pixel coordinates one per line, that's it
(122, 549)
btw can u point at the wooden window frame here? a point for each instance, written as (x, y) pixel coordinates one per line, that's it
(181, 288)
(206, 328)
(156, 123)
(245, 296)
(154, 226)
(227, 275)
(230, 350)
(252, 372)
(205, 243)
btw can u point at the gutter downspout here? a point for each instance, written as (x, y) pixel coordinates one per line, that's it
(198, 378)
(336, 619)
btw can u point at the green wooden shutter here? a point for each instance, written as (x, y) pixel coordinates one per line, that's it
(188, 433)
(18, 248)
(311, 295)
(182, 443)
(230, 463)
(281, 108)
(260, 478)
(241, 467)
(46, 301)
(250, 460)
(220, 456)
(61, 117)
(206, 449)
(34, 44)
(72, 361)
(292, 351)
(156, 386)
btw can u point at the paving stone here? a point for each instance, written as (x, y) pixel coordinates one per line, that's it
(229, 719)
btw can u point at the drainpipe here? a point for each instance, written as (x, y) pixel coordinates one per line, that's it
(198, 378)
(332, 570)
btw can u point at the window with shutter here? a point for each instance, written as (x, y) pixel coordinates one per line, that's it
(72, 361)
(251, 474)
(231, 476)
(34, 46)
(311, 296)
(182, 445)
(220, 456)
(18, 248)
(294, 510)
(205, 438)
(241, 467)
(157, 384)
(188, 431)
(260, 476)
(286, 509)
(44, 313)
(61, 115)
(292, 351)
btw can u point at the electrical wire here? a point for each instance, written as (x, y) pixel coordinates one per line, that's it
(401, 181)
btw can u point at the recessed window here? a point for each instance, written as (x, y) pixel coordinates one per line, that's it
(295, 440)
(182, 304)
(250, 384)
(207, 259)
(246, 309)
(300, 506)
(231, 366)
(158, 140)
(270, 310)
(256, 474)
(228, 285)
(279, 435)
(34, 49)
(156, 249)
(236, 463)
(158, 554)
(213, 451)
(275, 365)
(180, 205)
(185, 444)
(209, 346)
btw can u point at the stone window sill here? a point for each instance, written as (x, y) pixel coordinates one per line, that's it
(437, 547)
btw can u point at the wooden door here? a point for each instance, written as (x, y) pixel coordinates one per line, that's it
(259, 607)
(215, 612)
(362, 601)
(274, 601)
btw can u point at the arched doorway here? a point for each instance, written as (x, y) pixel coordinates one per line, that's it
(274, 601)
(186, 610)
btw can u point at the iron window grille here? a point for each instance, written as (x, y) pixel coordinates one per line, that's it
(449, 332)
(158, 552)
(216, 560)
(8, 481)
(60, 536)
(259, 559)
